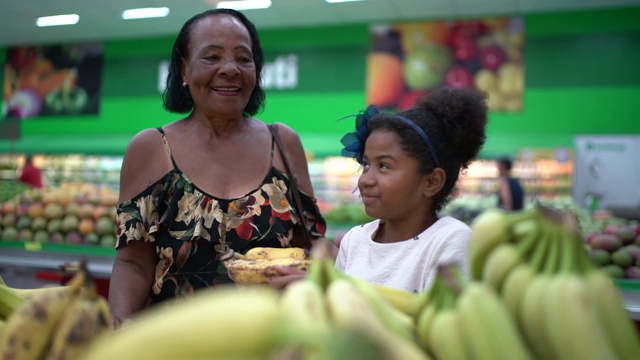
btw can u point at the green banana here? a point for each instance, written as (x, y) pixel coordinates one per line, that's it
(572, 323)
(613, 316)
(424, 324)
(304, 308)
(448, 342)
(9, 301)
(500, 262)
(515, 285)
(533, 298)
(222, 322)
(489, 229)
(489, 330)
(351, 310)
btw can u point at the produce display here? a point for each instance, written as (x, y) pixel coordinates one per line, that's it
(616, 249)
(52, 323)
(533, 294)
(74, 213)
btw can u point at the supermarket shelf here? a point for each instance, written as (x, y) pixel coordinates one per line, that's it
(53, 256)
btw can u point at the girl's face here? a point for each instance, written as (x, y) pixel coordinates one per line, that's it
(391, 185)
(220, 71)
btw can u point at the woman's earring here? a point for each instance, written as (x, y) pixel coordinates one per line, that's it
(184, 84)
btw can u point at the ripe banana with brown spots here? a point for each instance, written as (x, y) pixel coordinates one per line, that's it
(27, 332)
(247, 271)
(269, 253)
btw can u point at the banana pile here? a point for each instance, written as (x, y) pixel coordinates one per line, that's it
(258, 265)
(326, 316)
(52, 323)
(535, 260)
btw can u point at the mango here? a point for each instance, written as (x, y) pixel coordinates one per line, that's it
(622, 257)
(632, 272)
(600, 257)
(608, 242)
(614, 271)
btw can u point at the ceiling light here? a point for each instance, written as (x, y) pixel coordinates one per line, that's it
(144, 13)
(68, 19)
(339, 1)
(244, 4)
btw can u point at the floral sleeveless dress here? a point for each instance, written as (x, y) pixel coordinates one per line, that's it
(188, 225)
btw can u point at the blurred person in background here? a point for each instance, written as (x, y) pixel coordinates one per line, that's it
(510, 192)
(31, 175)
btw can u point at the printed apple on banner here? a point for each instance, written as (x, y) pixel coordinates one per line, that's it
(408, 60)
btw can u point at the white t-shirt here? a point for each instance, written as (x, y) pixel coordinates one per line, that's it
(410, 264)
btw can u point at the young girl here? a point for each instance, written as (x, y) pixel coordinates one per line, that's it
(411, 161)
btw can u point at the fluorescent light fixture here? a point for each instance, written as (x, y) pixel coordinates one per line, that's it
(244, 4)
(68, 19)
(143, 13)
(339, 1)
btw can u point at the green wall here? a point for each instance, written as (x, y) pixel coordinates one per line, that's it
(582, 77)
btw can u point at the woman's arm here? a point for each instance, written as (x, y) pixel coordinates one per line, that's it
(131, 279)
(145, 161)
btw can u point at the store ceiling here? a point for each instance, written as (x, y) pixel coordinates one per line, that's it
(101, 19)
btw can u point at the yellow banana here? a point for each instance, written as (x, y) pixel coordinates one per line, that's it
(401, 300)
(270, 253)
(352, 311)
(9, 301)
(28, 329)
(104, 313)
(216, 323)
(488, 328)
(75, 331)
(245, 271)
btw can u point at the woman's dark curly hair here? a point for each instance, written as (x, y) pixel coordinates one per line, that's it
(177, 98)
(454, 120)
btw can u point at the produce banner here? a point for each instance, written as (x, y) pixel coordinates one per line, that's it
(406, 60)
(57, 80)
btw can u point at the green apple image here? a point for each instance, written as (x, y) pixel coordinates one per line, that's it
(425, 67)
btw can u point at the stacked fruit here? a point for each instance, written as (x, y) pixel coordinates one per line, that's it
(327, 316)
(563, 305)
(73, 214)
(52, 323)
(616, 250)
(459, 319)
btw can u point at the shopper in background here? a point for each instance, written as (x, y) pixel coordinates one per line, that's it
(211, 181)
(31, 175)
(510, 192)
(411, 161)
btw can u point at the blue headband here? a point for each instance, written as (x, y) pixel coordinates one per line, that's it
(354, 141)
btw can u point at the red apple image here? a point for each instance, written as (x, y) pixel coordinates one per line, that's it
(459, 77)
(464, 46)
(492, 57)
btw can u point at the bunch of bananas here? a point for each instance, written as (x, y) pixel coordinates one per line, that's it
(258, 265)
(458, 319)
(564, 307)
(327, 316)
(52, 323)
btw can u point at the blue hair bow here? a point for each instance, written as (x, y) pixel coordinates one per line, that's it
(354, 141)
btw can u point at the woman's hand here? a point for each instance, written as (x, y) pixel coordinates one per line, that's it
(289, 276)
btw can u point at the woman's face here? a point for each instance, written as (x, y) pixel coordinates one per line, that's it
(391, 185)
(219, 69)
